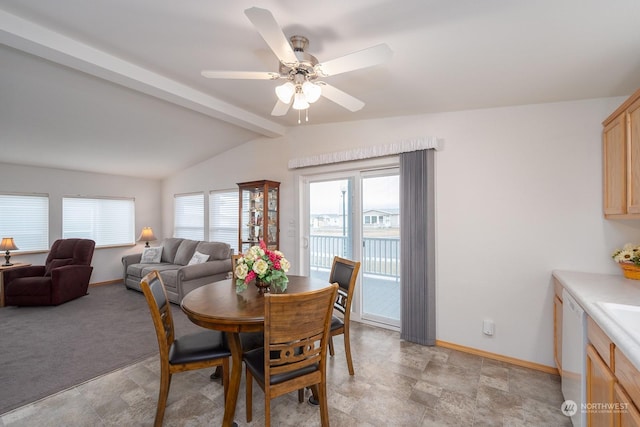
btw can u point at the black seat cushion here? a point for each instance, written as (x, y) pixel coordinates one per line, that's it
(336, 323)
(248, 340)
(198, 347)
(254, 360)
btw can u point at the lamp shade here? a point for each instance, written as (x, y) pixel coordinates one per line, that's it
(8, 244)
(147, 235)
(285, 92)
(299, 102)
(311, 91)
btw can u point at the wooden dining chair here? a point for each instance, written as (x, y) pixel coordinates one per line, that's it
(296, 329)
(194, 351)
(344, 272)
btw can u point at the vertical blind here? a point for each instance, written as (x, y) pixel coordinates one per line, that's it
(26, 219)
(189, 216)
(223, 217)
(107, 221)
(417, 245)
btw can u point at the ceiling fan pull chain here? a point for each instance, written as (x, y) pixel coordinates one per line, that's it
(298, 116)
(306, 112)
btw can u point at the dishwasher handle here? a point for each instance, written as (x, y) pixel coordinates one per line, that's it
(571, 303)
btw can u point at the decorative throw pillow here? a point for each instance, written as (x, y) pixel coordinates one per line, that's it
(151, 255)
(198, 258)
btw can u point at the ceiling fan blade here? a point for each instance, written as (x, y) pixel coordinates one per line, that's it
(271, 32)
(341, 98)
(252, 75)
(361, 59)
(280, 109)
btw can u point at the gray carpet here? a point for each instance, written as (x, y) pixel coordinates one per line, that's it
(47, 349)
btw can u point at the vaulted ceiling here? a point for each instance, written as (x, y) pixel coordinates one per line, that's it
(115, 86)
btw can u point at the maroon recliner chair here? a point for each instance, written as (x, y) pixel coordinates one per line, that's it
(65, 276)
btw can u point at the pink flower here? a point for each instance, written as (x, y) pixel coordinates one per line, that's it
(263, 245)
(251, 275)
(276, 264)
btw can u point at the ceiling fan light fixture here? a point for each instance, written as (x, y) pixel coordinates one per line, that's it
(285, 91)
(311, 91)
(299, 101)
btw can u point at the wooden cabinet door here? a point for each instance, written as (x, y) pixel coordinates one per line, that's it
(600, 381)
(557, 332)
(615, 167)
(626, 414)
(633, 158)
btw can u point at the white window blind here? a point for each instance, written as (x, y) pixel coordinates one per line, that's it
(189, 216)
(223, 217)
(107, 221)
(26, 219)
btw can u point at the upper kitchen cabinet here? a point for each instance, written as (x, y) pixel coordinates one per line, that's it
(621, 167)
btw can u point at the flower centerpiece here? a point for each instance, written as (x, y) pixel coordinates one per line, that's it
(262, 266)
(629, 260)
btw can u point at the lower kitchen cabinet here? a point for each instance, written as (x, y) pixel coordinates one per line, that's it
(612, 378)
(557, 327)
(600, 398)
(627, 415)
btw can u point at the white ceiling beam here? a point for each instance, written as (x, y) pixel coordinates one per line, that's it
(39, 41)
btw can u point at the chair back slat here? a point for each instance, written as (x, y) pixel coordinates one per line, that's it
(295, 355)
(342, 298)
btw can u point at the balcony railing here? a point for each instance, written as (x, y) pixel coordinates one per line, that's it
(380, 256)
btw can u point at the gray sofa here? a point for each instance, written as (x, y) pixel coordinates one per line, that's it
(178, 277)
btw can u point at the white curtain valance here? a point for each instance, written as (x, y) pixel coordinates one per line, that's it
(404, 146)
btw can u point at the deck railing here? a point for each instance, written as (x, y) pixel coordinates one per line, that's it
(380, 256)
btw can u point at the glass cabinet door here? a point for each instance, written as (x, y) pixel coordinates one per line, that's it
(259, 214)
(272, 219)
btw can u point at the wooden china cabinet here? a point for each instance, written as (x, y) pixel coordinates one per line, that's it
(259, 214)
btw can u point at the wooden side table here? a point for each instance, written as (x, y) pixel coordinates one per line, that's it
(2, 270)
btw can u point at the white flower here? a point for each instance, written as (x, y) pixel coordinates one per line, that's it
(260, 267)
(624, 255)
(241, 270)
(253, 252)
(284, 264)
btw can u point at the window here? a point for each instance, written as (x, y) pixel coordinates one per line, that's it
(223, 217)
(188, 219)
(26, 219)
(107, 221)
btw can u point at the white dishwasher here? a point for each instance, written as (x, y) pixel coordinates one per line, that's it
(574, 349)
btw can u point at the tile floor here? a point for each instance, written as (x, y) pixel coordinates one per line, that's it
(396, 384)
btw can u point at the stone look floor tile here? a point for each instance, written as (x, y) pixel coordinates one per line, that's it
(396, 384)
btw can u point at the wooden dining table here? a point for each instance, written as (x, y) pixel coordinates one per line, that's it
(218, 306)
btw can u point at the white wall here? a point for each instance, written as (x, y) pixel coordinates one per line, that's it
(518, 191)
(59, 183)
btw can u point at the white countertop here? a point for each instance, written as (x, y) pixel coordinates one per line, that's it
(589, 288)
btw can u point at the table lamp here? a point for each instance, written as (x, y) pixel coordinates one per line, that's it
(146, 236)
(7, 244)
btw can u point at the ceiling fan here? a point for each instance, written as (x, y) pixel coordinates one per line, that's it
(302, 70)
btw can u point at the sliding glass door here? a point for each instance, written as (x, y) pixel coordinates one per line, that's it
(381, 248)
(330, 224)
(355, 215)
